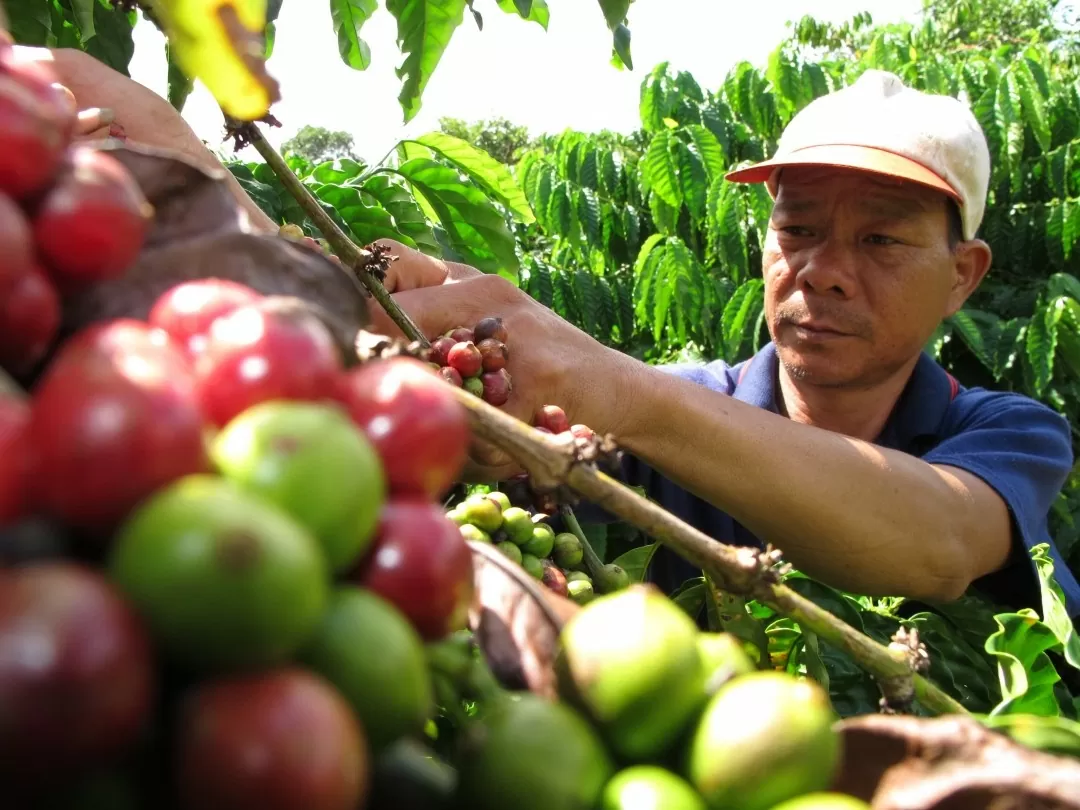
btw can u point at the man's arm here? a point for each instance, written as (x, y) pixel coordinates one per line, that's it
(855, 515)
(146, 117)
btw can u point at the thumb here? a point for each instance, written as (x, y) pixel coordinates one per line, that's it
(437, 310)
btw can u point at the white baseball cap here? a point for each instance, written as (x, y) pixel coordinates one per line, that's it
(878, 124)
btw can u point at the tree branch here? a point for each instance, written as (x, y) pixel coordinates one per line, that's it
(361, 261)
(743, 571)
(552, 461)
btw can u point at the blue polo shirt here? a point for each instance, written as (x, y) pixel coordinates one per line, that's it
(1019, 446)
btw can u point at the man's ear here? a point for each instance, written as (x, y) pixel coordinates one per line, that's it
(971, 261)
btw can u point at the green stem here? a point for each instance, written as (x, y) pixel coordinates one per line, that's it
(592, 559)
(351, 254)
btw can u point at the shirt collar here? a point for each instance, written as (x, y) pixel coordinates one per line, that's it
(918, 413)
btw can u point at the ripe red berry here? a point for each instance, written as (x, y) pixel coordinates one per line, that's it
(466, 358)
(451, 375)
(493, 354)
(29, 320)
(553, 418)
(40, 78)
(283, 739)
(32, 139)
(269, 349)
(420, 431)
(461, 334)
(440, 348)
(187, 310)
(114, 417)
(77, 678)
(490, 328)
(14, 458)
(16, 240)
(421, 564)
(497, 387)
(92, 223)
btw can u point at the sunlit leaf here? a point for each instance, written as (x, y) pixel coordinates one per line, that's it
(219, 42)
(424, 30)
(348, 17)
(492, 176)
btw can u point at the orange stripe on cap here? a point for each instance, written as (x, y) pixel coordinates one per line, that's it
(848, 156)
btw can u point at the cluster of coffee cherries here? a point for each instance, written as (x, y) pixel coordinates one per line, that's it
(70, 214)
(475, 359)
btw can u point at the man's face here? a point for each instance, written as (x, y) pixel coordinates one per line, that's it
(858, 273)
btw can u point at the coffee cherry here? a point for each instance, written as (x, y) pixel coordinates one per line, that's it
(497, 387)
(466, 358)
(440, 349)
(115, 417)
(451, 375)
(553, 418)
(16, 240)
(554, 578)
(493, 354)
(29, 320)
(14, 458)
(461, 334)
(490, 328)
(271, 349)
(474, 385)
(31, 139)
(419, 429)
(186, 311)
(93, 221)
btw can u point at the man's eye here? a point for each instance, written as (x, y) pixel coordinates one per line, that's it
(882, 239)
(795, 230)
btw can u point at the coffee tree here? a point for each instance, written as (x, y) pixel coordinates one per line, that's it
(291, 559)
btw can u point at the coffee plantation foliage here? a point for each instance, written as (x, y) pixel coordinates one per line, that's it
(638, 240)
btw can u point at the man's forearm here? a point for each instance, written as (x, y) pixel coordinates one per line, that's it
(857, 516)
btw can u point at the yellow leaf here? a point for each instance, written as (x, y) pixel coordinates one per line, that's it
(220, 42)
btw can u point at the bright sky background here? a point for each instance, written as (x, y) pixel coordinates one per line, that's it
(544, 81)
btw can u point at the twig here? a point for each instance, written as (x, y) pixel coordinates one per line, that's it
(360, 260)
(592, 560)
(744, 571)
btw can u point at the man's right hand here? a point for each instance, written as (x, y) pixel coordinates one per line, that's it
(550, 360)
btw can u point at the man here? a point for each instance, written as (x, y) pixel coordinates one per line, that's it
(840, 442)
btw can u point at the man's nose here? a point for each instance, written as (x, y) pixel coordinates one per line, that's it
(829, 268)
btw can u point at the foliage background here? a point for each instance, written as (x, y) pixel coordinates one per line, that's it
(637, 239)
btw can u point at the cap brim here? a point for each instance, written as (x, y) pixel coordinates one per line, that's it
(847, 156)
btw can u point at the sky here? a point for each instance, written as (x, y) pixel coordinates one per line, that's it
(546, 81)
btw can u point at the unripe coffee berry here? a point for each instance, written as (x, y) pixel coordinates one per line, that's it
(474, 385)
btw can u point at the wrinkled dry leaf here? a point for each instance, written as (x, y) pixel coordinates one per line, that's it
(950, 763)
(200, 231)
(517, 622)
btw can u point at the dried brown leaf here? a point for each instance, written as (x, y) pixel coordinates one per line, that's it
(517, 622)
(200, 231)
(950, 763)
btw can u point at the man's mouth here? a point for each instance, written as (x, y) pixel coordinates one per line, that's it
(818, 329)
